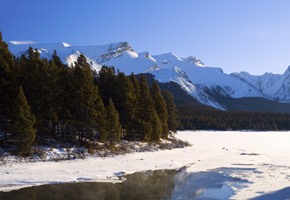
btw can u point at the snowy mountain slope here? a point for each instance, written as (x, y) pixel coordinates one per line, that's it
(190, 73)
(275, 85)
(197, 80)
(209, 77)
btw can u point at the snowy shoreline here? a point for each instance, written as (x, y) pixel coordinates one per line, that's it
(265, 152)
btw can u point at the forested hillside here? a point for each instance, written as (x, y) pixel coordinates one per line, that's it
(45, 100)
(205, 118)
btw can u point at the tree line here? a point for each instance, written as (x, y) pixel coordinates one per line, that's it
(45, 100)
(205, 118)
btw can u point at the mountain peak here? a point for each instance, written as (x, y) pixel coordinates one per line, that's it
(121, 46)
(194, 60)
(114, 50)
(167, 58)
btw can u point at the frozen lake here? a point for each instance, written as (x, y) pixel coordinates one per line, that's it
(220, 165)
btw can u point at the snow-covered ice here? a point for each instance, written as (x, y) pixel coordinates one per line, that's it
(265, 153)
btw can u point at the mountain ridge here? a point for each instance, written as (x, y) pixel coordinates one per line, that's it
(197, 79)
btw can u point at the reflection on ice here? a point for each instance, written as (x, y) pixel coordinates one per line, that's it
(206, 185)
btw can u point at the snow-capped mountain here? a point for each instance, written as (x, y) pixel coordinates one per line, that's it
(275, 85)
(200, 81)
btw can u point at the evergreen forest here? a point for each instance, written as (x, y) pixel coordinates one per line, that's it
(205, 118)
(45, 100)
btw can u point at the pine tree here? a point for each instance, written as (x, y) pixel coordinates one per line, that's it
(5, 53)
(101, 119)
(171, 109)
(8, 88)
(143, 114)
(35, 78)
(156, 128)
(56, 59)
(137, 130)
(23, 122)
(85, 95)
(65, 98)
(147, 112)
(136, 86)
(106, 82)
(142, 130)
(55, 93)
(114, 128)
(160, 107)
(125, 103)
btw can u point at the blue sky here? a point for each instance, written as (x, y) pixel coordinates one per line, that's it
(236, 35)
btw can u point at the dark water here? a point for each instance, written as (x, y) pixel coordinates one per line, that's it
(150, 185)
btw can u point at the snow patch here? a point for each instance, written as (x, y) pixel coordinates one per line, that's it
(132, 54)
(66, 44)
